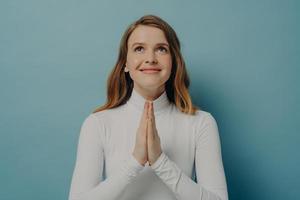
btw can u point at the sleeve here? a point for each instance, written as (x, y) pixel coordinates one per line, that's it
(211, 180)
(87, 181)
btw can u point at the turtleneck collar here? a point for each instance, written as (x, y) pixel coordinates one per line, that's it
(159, 104)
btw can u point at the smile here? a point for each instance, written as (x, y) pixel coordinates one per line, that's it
(150, 71)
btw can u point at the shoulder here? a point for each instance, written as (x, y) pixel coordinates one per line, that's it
(204, 117)
(108, 115)
(100, 120)
(91, 123)
(199, 118)
(206, 128)
(204, 123)
(95, 124)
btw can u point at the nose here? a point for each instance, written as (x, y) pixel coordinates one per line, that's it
(151, 58)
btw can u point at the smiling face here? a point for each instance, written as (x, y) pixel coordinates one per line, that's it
(148, 58)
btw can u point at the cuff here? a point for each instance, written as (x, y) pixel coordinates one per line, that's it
(132, 168)
(134, 163)
(159, 161)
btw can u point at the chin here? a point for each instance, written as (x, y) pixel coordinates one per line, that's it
(150, 84)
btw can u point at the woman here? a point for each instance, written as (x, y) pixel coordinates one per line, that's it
(148, 141)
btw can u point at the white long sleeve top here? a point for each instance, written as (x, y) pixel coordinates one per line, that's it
(189, 168)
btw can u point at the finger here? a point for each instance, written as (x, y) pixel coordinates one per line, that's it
(153, 117)
(143, 122)
(145, 112)
(151, 111)
(150, 134)
(151, 125)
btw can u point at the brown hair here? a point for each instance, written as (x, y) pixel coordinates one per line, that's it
(120, 85)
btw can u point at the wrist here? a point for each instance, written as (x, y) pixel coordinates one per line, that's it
(155, 159)
(140, 161)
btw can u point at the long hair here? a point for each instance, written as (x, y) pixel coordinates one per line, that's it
(120, 85)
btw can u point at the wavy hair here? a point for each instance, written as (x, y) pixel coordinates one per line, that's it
(120, 84)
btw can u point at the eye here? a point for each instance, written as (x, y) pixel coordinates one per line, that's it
(138, 49)
(162, 49)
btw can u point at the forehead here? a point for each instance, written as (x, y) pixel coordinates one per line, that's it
(147, 34)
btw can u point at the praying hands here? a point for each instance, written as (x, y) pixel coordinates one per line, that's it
(147, 146)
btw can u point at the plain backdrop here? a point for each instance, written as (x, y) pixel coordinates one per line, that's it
(242, 58)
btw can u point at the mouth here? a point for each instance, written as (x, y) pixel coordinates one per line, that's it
(150, 71)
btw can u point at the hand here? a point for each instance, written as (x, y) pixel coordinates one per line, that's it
(153, 140)
(140, 150)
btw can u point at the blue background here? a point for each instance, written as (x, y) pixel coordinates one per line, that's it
(243, 61)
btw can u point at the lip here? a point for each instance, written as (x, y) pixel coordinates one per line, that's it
(150, 70)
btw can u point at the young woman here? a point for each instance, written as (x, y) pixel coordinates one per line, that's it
(149, 141)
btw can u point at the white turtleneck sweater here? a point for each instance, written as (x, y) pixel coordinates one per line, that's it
(190, 167)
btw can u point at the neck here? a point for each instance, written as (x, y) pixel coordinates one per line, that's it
(160, 104)
(149, 94)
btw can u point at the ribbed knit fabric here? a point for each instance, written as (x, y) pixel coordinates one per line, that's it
(106, 170)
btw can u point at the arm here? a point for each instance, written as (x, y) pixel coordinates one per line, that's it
(87, 181)
(209, 168)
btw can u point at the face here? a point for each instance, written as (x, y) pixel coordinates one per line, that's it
(148, 58)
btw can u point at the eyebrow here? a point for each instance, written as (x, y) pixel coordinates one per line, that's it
(158, 44)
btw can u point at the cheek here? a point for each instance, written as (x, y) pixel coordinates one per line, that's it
(133, 61)
(167, 66)
(167, 63)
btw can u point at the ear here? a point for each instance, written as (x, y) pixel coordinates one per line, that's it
(126, 69)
